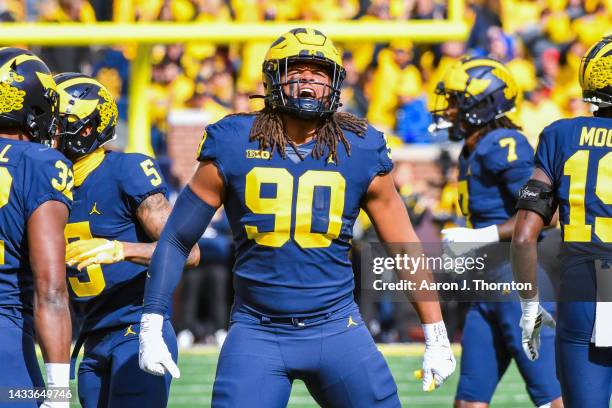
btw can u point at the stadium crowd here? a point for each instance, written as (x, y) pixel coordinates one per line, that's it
(391, 84)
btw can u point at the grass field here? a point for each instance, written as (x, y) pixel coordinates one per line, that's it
(194, 388)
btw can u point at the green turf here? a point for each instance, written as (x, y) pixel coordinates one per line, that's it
(194, 388)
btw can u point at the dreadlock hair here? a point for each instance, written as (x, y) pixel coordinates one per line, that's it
(503, 122)
(269, 131)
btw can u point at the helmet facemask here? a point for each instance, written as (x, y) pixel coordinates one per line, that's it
(472, 111)
(301, 101)
(88, 115)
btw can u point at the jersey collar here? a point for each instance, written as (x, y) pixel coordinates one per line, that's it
(86, 164)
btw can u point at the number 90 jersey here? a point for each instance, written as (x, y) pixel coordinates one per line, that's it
(292, 218)
(30, 175)
(105, 204)
(576, 155)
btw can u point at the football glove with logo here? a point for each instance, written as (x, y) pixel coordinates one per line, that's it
(153, 354)
(438, 361)
(532, 319)
(86, 252)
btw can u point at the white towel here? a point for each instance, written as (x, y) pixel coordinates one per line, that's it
(602, 331)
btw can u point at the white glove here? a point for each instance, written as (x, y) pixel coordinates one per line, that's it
(58, 375)
(532, 319)
(153, 354)
(438, 360)
(468, 239)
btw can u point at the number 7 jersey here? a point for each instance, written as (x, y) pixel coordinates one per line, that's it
(292, 218)
(30, 175)
(576, 155)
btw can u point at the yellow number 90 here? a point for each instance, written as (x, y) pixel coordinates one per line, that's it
(281, 206)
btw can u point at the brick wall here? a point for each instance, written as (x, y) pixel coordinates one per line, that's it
(185, 129)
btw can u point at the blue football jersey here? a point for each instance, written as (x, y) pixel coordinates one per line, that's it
(105, 296)
(292, 218)
(491, 175)
(576, 155)
(30, 175)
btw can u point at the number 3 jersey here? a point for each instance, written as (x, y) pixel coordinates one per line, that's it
(105, 204)
(576, 155)
(30, 175)
(292, 218)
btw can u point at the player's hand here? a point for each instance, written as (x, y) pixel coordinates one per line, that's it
(58, 376)
(438, 361)
(55, 404)
(85, 252)
(460, 241)
(153, 354)
(532, 319)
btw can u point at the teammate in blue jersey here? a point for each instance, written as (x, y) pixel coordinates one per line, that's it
(35, 198)
(574, 174)
(292, 178)
(120, 208)
(476, 96)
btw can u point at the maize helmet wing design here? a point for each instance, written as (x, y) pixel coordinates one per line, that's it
(29, 101)
(482, 90)
(595, 73)
(302, 45)
(84, 102)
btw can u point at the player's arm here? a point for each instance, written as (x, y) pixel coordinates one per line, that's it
(390, 218)
(192, 212)
(45, 234)
(536, 208)
(153, 213)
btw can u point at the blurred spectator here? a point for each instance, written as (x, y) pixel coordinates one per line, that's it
(68, 59)
(487, 15)
(537, 112)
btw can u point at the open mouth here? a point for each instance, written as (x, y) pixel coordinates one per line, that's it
(307, 93)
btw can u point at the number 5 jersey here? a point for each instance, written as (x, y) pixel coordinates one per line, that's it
(110, 186)
(292, 218)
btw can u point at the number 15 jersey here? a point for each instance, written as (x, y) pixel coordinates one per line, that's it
(292, 218)
(576, 155)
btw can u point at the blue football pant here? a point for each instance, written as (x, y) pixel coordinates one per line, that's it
(336, 357)
(491, 339)
(19, 367)
(584, 371)
(109, 375)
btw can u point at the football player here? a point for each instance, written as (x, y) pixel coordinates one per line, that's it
(35, 198)
(120, 208)
(292, 178)
(477, 94)
(573, 172)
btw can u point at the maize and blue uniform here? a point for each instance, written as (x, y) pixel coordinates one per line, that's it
(489, 180)
(30, 175)
(107, 299)
(576, 155)
(294, 316)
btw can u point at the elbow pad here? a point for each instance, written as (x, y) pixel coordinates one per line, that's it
(538, 197)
